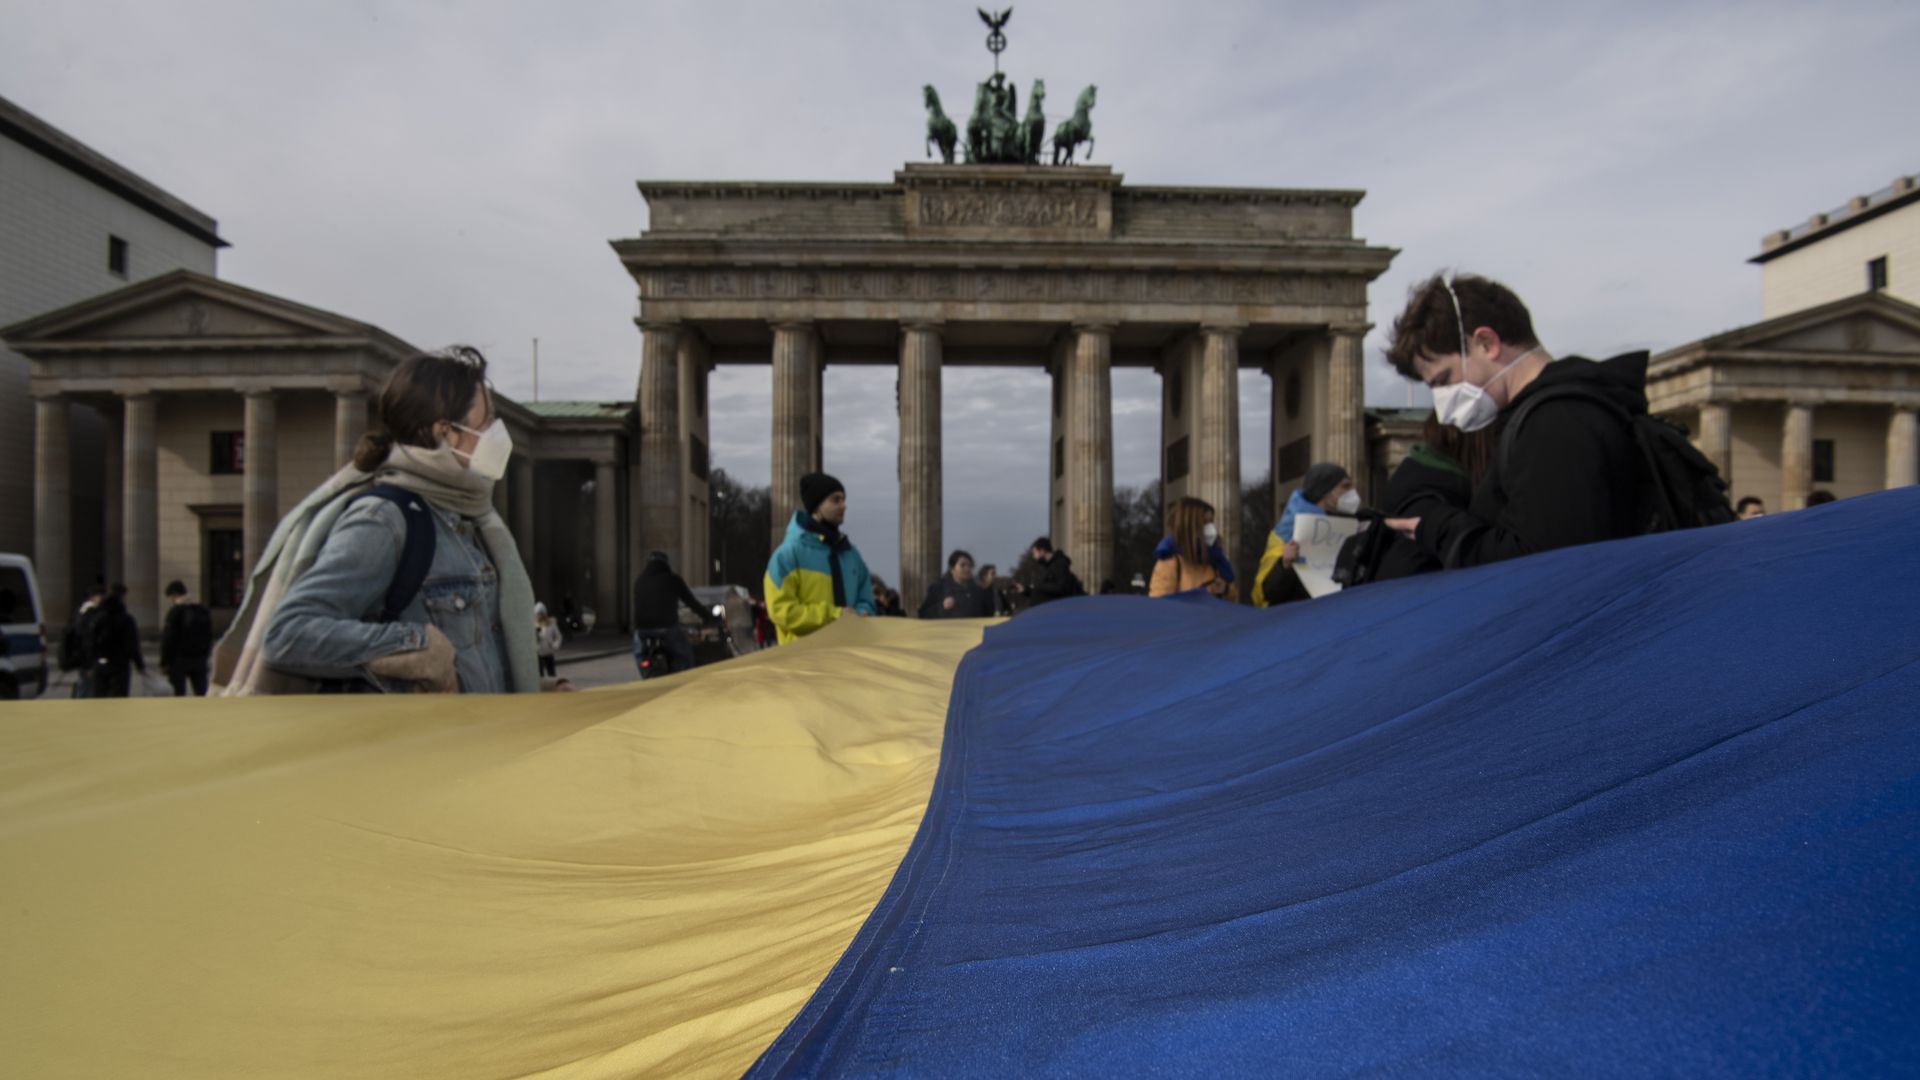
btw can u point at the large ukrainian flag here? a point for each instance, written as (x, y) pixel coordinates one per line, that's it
(1650, 807)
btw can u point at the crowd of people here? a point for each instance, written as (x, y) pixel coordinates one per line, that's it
(397, 573)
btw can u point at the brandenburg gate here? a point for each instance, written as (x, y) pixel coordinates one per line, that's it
(1060, 267)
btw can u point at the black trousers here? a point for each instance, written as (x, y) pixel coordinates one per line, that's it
(112, 680)
(549, 667)
(182, 676)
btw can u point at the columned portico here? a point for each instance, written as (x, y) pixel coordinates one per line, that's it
(1089, 453)
(1063, 267)
(657, 510)
(696, 565)
(796, 417)
(1346, 423)
(921, 555)
(607, 585)
(1716, 436)
(1903, 455)
(140, 515)
(349, 423)
(260, 509)
(53, 506)
(1217, 429)
(1796, 456)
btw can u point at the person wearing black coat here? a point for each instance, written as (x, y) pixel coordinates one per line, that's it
(186, 640)
(1055, 579)
(658, 593)
(114, 641)
(1567, 473)
(956, 595)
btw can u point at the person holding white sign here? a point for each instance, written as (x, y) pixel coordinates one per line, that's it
(1327, 489)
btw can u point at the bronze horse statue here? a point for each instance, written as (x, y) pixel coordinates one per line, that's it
(1035, 124)
(940, 130)
(1075, 129)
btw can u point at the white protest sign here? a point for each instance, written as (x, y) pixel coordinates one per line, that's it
(1320, 537)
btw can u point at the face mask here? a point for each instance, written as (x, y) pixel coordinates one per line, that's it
(1211, 532)
(1349, 503)
(489, 457)
(1462, 404)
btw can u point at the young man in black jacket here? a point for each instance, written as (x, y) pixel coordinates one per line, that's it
(186, 639)
(1569, 473)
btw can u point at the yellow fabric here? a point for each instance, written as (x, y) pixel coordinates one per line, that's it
(647, 880)
(1269, 558)
(801, 603)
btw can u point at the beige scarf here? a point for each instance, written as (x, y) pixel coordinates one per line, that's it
(435, 475)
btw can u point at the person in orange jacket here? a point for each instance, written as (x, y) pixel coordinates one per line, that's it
(1190, 557)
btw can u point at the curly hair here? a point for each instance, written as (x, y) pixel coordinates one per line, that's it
(1431, 326)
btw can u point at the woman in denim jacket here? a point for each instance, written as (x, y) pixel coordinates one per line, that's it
(470, 627)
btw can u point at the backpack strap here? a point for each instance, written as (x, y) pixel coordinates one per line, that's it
(1580, 391)
(416, 557)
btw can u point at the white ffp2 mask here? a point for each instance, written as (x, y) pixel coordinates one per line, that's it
(490, 454)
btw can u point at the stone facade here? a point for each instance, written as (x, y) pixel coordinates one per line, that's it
(61, 204)
(1066, 268)
(1820, 398)
(201, 382)
(1828, 257)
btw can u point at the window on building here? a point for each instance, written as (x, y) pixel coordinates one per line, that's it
(229, 453)
(226, 567)
(1177, 460)
(1176, 391)
(117, 256)
(1876, 274)
(1823, 461)
(697, 455)
(1290, 461)
(1059, 458)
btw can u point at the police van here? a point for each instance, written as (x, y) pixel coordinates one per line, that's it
(23, 631)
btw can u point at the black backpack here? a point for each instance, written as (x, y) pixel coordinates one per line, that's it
(416, 559)
(1679, 488)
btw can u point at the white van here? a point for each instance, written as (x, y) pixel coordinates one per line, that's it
(23, 631)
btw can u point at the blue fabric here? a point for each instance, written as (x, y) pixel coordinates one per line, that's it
(1297, 504)
(1640, 808)
(1217, 555)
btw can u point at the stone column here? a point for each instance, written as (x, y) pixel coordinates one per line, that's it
(140, 513)
(114, 528)
(796, 383)
(260, 503)
(349, 423)
(1089, 486)
(1216, 431)
(53, 507)
(920, 472)
(1346, 441)
(521, 489)
(606, 541)
(1903, 456)
(1716, 437)
(1796, 457)
(659, 509)
(696, 497)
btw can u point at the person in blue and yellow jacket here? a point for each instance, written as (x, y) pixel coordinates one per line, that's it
(816, 575)
(1326, 489)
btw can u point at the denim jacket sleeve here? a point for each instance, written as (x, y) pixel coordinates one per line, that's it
(322, 628)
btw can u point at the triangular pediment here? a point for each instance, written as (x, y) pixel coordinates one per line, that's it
(181, 307)
(1870, 323)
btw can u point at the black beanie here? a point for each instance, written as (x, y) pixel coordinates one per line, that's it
(815, 488)
(1321, 479)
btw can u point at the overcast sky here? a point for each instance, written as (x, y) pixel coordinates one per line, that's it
(453, 172)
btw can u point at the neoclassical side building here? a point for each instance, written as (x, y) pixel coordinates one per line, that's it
(1065, 268)
(225, 406)
(1825, 390)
